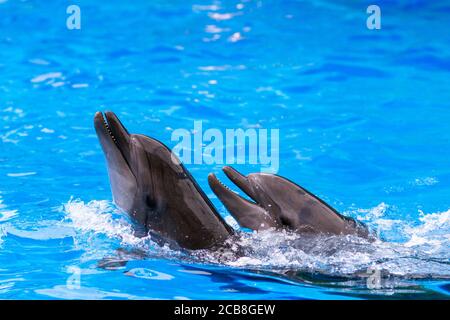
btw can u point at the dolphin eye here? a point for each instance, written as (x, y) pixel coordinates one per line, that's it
(285, 221)
(151, 203)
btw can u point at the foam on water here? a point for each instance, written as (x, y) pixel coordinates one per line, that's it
(423, 255)
(100, 218)
(97, 217)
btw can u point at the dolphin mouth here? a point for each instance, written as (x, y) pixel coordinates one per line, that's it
(107, 127)
(236, 177)
(112, 134)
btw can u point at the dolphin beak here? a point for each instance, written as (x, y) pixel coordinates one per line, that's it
(247, 213)
(119, 133)
(102, 130)
(231, 199)
(114, 138)
(239, 179)
(111, 132)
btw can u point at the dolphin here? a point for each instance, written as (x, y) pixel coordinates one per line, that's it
(150, 184)
(281, 204)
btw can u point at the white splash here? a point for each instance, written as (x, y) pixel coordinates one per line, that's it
(97, 217)
(424, 253)
(432, 234)
(373, 213)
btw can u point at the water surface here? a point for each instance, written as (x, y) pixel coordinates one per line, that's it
(363, 118)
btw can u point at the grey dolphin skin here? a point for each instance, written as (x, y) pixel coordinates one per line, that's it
(281, 204)
(153, 187)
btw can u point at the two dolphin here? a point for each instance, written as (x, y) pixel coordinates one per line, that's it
(155, 189)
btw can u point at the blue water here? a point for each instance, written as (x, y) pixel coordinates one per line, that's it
(363, 118)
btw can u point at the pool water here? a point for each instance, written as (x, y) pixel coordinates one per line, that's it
(363, 117)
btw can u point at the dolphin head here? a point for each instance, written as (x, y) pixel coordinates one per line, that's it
(281, 204)
(153, 187)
